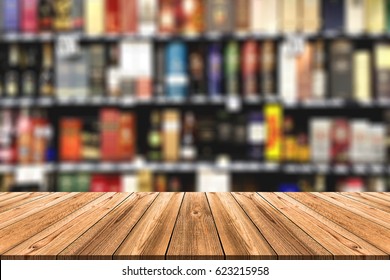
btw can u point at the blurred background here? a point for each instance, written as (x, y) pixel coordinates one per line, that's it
(194, 95)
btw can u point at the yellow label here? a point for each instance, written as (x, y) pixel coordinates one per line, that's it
(382, 56)
(273, 117)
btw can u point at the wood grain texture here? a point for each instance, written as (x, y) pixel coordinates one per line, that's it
(194, 224)
(287, 239)
(377, 235)
(19, 200)
(149, 239)
(103, 239)
(55, 238)
(370, 200)
(376, 215)
(28, 227)
(19, 213)
(239, 236)
(340, 242)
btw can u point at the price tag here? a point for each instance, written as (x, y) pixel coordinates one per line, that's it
(233, 103)
(68, 45)
(30, 174)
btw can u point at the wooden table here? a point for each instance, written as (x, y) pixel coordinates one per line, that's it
(194, 225)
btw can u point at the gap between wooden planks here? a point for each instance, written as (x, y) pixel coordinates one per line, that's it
(194, 226)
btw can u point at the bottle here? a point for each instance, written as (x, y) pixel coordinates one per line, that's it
(268, 66)
(113, 71)
(154, 137)
(77, 15)
(197, 71)
(232, 68)
(12, 73)
(319, 74)
(256, 135)
(46, 80)
(29, 16)
(176, 70)
(45, 11)
(29, 81)
(11, 13)
(188, 147)
(24, 137)
(62, 15)
(215, 70)
(239, 137)
(249, 57)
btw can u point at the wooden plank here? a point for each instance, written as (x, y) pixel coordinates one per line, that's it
(287, 239)
(22, 230)
(364, 210)
(340, 242)
(195, 235)
(369, 200)
(9, 195)
(55, 238)
(377, 235)
(239, 236)
(149, 239)
(19, 213)
(379, 195)
(19, 200)
(103, 239)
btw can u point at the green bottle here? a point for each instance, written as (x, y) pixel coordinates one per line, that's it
(232, 68)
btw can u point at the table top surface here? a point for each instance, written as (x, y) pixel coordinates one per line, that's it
(195, 225)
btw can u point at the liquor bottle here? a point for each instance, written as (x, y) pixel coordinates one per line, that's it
(39, 141)
(7, 154)
(256, 135)
(220, 16)
(193, 21)
(94, 17)
(289, 142)
(70, 139)
(24, 139)
(319, 74)
(378, 148)
(224, 133)
(320, 139)
(232, 62)
(341, 69)
(359, 141)
(268, 68)
(287, 74)
(242, 16)
(29, 79)
(129, 16)
(154, 137)
(109, 137)
(160, 75)
(11, 83)
(128, 54)
(273, 119)
(289, 16)
(264, 16)
(77, 15)
(197, 70)
(113, 71)
(386, 121)
(382, 70)
(376, 16)
(304, 72)
(240, 137)
(46, 80)
(112, 16)
(144, 69)
(167, 18)
(46, 13)
(29, 16)
(11, 18)
(90, 144)
(249, 68)
(188, 150)
(96, 70)
(147, 11)
(355, 17)
(206, 136)
(311, 19)
(127, 136)
(62, 15)
(176, 70)
(340, 137)
(362, 76)
(333, 13)
(171, 134)
(214, 70)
